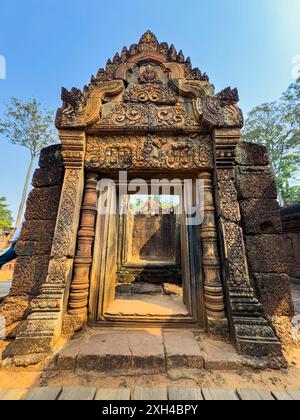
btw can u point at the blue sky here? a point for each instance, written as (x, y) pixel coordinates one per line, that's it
(52, 43)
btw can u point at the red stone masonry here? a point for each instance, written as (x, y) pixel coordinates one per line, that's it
(34, 245)
(263, 236)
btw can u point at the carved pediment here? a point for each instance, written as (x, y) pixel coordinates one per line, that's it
(150, 85)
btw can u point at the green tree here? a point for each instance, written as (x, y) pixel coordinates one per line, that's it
(6, 219)
(27, 124)
(276, 125)
(293, 195)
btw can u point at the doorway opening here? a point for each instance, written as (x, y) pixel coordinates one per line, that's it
(149, 276)
(146, 267)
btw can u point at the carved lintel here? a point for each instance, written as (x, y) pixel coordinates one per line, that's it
(151, 152)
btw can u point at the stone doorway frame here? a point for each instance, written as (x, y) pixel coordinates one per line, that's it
(193, 273)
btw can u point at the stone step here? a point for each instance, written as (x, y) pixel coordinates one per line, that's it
(131, 352)
(153, 351)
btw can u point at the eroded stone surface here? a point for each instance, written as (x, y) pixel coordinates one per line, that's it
(43, 203)
(275, 293)
(261, 217)
(220, 356)
(182, 350)
(265, 253)
(249, 154)
(257, 186)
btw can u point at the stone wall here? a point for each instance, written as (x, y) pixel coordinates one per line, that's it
(290, 217)
(35, 242)
(263, 236)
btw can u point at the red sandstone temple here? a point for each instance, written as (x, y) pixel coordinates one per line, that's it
(153, 115)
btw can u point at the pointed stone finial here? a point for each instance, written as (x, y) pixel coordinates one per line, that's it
(148, 42)
(180, 57)
(124, 55)
(173, 53)
(116, 59)
(133, 50)
(101, 75)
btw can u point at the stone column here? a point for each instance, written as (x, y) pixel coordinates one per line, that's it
(43, 326)
(79, 292)
(217, 322)
(251, 331)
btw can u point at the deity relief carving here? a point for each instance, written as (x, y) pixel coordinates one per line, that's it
(164, 152)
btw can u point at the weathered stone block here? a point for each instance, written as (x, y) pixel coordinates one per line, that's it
(182, 350)
(14, 309)
(31, 248)
(43, 204)
(261, 216)
(48, 177)
(36, 238)
(29, 274)
(250, 154)
(51, 156)
(26, 248)
(256, 185)
(104, 352)
(274, 292)
(265, 253)
(35, 230)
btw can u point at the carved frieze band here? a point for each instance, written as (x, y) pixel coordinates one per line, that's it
(157, 152)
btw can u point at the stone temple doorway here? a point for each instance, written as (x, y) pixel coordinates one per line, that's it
(148, 113)
(144, 269)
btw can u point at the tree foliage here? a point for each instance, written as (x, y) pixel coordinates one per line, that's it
(27, 124)
(276, 125)
(6, 219)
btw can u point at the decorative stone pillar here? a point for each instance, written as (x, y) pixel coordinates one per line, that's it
(217, 322)
(43, 326)
(79, 292)
(252, 332)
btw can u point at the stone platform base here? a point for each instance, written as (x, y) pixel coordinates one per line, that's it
(179, 354)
